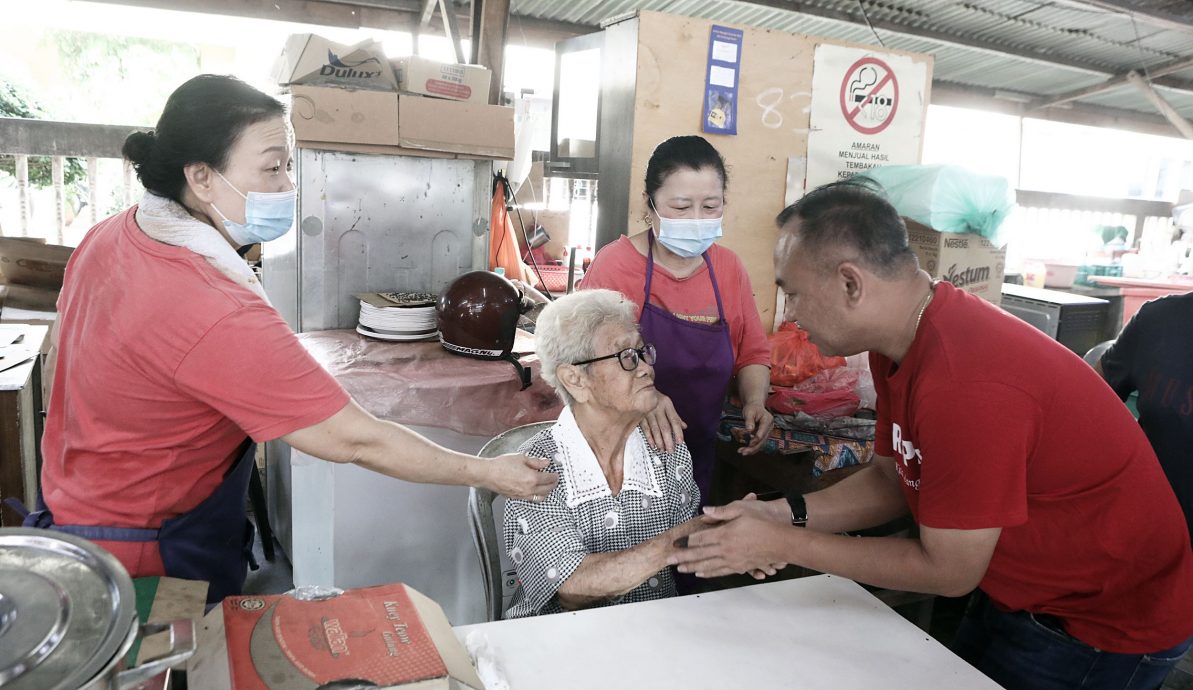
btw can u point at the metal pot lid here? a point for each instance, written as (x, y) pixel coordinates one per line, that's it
(67, 608)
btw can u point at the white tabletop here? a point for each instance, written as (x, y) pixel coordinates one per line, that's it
(815, 632)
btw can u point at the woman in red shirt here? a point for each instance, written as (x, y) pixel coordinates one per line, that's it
(695, 304)
(171, 363)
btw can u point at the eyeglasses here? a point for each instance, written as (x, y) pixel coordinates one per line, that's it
(627, 358)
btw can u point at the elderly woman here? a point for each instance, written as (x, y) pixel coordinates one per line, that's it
(604, 534)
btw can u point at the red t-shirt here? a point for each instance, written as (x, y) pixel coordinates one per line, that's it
(994, 424)
(619, 266)
(164, 366)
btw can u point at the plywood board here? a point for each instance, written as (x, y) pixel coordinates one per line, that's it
(773, 112)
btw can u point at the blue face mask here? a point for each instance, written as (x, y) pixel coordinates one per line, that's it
(267, 215)
(688, 237)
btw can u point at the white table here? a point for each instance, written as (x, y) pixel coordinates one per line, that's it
(816, 632)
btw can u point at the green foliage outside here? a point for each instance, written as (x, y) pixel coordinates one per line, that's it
(15, 103)
(120, 80)
(113, 80)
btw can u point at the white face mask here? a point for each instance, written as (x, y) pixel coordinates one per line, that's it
(688, 237)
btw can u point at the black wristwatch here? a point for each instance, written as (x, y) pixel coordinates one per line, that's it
(799, 509)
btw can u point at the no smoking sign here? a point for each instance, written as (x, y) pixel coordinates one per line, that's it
(869, 95)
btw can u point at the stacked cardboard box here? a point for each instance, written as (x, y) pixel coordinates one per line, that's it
(347, 98)
(967, 260)
(442, 80)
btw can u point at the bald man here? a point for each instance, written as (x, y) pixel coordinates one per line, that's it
(1027, 477)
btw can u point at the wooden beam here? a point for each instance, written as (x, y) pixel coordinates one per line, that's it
(395, 15)
(476, 13)
(76, 140)
(495, 15)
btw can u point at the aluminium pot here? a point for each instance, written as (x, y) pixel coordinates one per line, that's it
(68, 617)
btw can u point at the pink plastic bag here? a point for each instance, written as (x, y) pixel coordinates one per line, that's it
(831, 393)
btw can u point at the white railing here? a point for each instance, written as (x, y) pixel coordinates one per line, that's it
(24, 139)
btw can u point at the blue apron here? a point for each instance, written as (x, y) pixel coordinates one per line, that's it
(212, 542)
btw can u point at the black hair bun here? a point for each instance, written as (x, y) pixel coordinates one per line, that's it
(139, 147)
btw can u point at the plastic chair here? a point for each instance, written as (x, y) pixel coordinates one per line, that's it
(1095, 353)
(485, 510)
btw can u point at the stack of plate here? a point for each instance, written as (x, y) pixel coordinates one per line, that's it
(404, 316)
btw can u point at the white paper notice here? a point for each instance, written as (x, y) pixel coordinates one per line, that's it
(868, 111)
(721, 76)
(724, 52)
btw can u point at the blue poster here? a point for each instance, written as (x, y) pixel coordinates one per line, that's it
(720, 83)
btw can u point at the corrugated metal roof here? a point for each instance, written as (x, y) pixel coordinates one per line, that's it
(1034, 47)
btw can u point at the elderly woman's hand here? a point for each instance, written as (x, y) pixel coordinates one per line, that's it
(766, 571)
(662, 425)
(759, 421)
(520, 476)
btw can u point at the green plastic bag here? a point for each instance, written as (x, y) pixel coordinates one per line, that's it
(948, 198)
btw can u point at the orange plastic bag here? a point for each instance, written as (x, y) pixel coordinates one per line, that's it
(503, 243)
(795, 359)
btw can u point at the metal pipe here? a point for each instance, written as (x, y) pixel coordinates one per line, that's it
(1182, 125)
(1113, 83)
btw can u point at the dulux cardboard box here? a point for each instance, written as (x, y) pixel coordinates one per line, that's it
(389, 636)
(967, 260)
(379, 122)
(442, 80)
(314, 60)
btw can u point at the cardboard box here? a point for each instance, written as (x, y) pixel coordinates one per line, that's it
(388, 636)
(968, 261)
(377, 122)
(443, 80)
(314, 60)
(31, 274)
(33, 263)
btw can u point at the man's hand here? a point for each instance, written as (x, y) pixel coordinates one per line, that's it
(742, 538)
(662, 425)
(759, 421)
(777, 511)
(519, 476)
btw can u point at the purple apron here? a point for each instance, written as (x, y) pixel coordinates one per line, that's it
(694, 367)
(212, 542)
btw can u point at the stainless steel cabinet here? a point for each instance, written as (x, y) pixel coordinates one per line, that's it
(375, 222)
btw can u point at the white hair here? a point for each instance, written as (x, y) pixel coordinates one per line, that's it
(566, 330)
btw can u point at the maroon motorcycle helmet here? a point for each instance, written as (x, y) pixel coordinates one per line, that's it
(478, 316)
